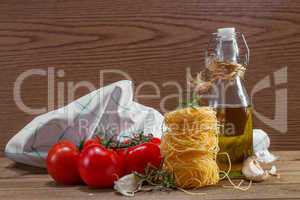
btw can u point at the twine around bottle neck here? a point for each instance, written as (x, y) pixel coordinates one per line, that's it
(216, 70)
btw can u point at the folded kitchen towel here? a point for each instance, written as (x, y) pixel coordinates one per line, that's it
(110, 111)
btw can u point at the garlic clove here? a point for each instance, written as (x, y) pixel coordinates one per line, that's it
(253, 171)
(273, 170)
(128, 185)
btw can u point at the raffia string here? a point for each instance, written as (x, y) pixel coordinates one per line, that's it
(216, 70)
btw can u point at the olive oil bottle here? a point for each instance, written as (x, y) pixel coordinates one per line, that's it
(226, 59)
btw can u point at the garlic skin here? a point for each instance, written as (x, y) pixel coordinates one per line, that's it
(253, 171)
(128, 185)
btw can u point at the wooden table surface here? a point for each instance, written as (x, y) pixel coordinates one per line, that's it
(23, 182)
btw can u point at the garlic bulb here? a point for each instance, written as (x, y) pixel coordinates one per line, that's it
(253, 171)
(261, 144)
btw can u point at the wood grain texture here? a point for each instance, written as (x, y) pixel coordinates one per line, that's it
(150, 40)
(23, 182)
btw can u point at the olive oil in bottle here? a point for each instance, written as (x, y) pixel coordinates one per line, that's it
(235, 136)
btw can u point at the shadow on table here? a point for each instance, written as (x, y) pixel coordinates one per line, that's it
(93, 190)
(81, 187)
(23, 169)
(52, 183)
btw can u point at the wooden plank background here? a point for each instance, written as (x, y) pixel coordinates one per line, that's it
(151, 40)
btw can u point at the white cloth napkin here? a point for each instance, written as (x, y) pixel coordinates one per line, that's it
(110, 110)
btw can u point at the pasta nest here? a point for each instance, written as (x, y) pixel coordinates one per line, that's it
(190, 147)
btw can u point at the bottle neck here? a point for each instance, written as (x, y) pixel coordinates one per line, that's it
(227, 50)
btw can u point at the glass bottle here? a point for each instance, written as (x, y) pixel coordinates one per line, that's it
(226, 58)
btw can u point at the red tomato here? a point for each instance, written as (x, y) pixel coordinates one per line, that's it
(155, 140)
(92, 141)
(138, 157)
(62, 163)
(122, 153)
(99, 167)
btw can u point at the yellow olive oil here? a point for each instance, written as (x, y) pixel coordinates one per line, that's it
(235, 137)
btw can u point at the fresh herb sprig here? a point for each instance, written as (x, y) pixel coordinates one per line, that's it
(159, 178)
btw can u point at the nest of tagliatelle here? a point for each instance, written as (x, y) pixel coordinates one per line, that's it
(190, 147)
